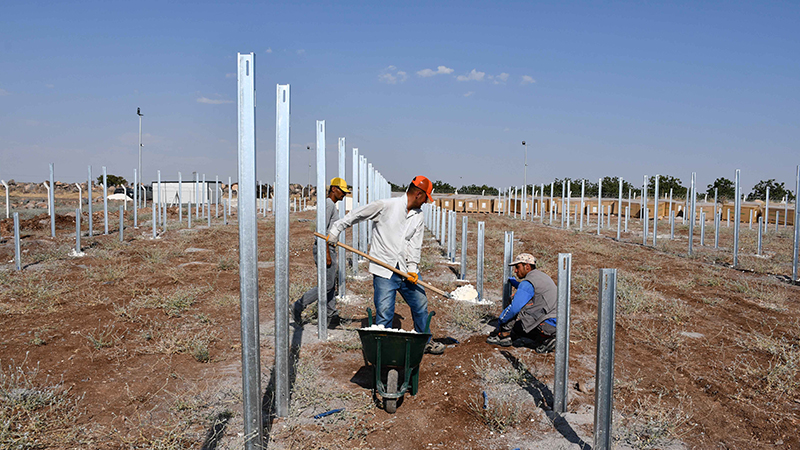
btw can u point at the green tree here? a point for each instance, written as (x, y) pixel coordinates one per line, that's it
(665, 183)
(443, 188)
(776, 191)
(398, 188)
(477, 190)
(113, 180)
(725, 189)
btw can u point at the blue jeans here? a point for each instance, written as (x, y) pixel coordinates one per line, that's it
(386, 290)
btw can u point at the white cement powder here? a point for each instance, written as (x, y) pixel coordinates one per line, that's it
(377, 327)
(468, 293)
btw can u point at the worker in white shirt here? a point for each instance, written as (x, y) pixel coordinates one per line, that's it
(397, 233)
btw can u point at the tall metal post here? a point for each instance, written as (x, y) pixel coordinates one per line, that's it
(8, 205)
(760, 230)
(248, 261)
(599, 204)
(736, 219)
(51, 195)
(619, 211)
(230, 196)
(645, 218)
(105, 200)
(561, 384)
(282, 250)
(322, 245)
(463, 272)
(135, 199)
(216, 196)
(541, 204)
(341, 255)
(604, 373)
(121, 224)
(479, 259)
(158, 205)
(717, 219)
(180, 198)
(551, 203)
(672, 225)
(583, 206)
(89, 189)
(702, 228)
(692, 199)
(766, 212)
(508, 254)
(356, 203)
(796, 223)
(139, 113)
(17, 265)
(655, 213)
(362, 179)
(78, 231)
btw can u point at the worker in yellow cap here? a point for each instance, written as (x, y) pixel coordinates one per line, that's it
(397, 231)
(336, 192)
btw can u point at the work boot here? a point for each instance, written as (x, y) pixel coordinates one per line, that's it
(547, 346)
(502, 339)
(334, 321)
(434, 348)
(297, 314)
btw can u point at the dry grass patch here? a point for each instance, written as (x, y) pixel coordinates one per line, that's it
(37, 412)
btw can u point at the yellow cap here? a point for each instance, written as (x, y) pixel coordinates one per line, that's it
(341, 184)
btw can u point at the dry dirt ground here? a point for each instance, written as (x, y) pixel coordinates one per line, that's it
(136, 345)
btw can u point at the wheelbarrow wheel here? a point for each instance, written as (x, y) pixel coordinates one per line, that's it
(390, 404)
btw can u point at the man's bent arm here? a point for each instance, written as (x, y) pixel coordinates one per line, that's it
(366, 212)
(523, 295)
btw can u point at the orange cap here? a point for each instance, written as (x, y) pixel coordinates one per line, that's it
(424, 184)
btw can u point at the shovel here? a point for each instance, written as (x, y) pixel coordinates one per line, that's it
(387, 266)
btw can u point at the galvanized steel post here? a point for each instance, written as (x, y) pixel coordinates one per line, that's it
(462, 274)
(8, 205)
(17, 265)
(356, 204)
(230, 196)
(551, 202)
(180, 198)
(216, 196)
(672, 225)
(343, 235)
(583, 207)
(702, 228)
(282, 250)
(796, 223)
(599, 204)
(78, 231)
(759, 235)
(479, 259)
(604, 373)
(736, 219)
(692, 198)
(135, 200)
(645, 218)
(248, 261)
(52, 200)
(561, 384)
(322, 245)
(766, 212)
(121, 224)
(105, 200)
(508, 255)
(655, 213)
(619, 211)
(160, 201)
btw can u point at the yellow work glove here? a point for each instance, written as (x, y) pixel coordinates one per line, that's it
(413, 277)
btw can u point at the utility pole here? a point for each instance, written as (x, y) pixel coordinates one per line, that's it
(141, 177)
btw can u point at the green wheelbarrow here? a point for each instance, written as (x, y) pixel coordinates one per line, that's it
(394, 350)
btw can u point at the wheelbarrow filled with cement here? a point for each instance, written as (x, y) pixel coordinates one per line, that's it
(395, 350)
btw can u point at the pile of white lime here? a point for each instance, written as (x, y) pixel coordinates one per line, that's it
(469, 294)
(377, 327)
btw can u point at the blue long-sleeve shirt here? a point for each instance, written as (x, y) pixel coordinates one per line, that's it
(524, 294)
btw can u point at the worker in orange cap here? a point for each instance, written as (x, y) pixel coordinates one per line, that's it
(337, 191)
(397, 231)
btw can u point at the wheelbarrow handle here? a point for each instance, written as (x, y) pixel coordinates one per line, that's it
(386, 266)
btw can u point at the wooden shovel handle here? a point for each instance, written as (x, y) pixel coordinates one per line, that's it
(386, 266)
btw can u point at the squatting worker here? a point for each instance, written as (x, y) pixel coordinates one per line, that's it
(397, 232)
(337, 191)
(532, 312)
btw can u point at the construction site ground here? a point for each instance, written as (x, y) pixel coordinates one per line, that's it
(137, 345)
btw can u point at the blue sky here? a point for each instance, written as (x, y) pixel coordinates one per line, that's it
(449, 91)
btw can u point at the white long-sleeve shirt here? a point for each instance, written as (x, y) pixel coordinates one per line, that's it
(396, 233)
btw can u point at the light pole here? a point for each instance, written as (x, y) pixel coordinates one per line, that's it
(141, 177)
